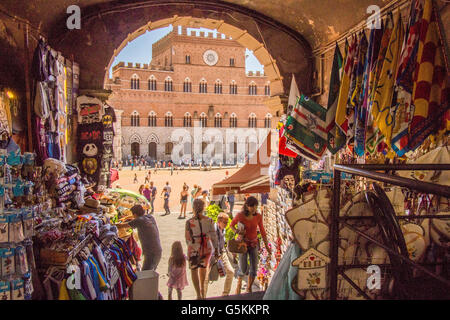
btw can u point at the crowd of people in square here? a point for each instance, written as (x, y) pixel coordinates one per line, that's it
(205, 239)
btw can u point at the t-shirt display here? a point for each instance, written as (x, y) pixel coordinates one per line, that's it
(89, 109)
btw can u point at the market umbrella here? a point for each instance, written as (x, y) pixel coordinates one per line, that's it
(124, 192)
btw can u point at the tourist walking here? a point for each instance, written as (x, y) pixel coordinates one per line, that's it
(251, 220)
(201, 239)
(135, 178)
(141, 189)
(177, 271)
(148, 236)
(222, 222)
(183, 201)
(153, 196)
(231, 203)
(166, 201)
(193, 193)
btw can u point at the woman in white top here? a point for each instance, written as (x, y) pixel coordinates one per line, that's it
(201, 239)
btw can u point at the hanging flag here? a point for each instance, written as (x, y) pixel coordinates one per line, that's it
(362, 112)
(341, 109)
(306, 126)
(294, 148)
(385, 86)
(282, 149)
(402, 110)
(381, 55)
(356, 100)
(355, 85)
(430, 91)
(335, 140)
(294, 94)
(375, 136)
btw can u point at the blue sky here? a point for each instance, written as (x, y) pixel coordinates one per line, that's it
(140, 49)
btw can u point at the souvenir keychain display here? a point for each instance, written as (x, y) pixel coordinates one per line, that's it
(16, 225)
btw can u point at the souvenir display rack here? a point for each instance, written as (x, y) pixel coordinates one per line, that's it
(369, 171)
(279, 234)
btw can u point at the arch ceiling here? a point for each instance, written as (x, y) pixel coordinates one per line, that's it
(290, 29)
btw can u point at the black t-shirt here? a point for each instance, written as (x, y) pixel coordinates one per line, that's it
(108, 119)
(90, 140)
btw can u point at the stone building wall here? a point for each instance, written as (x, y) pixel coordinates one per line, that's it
(143, 101)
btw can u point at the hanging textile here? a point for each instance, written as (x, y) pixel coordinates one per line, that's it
(385, 87)
(335, 140)
(430, 91)
(341, 110)
(282, 148)
(355, 84)
(306, 127)
(374, 136)
(361, 112)
(402, 111)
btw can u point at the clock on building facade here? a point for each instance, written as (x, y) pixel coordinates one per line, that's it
(210, 57)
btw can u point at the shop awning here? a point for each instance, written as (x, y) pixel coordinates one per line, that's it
(252, 177)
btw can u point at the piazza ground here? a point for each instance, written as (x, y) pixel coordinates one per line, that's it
(170, 228)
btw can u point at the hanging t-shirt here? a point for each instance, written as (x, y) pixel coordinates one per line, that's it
(90, 110)
(109, 117)
(90, 139)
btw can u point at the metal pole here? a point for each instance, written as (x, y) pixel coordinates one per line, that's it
(397, 167)
(334, 232)
(429, 216)
(354, 285)
(421, 186)
(415, 265)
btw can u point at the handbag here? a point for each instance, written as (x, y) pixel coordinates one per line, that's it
(214, 272)
(235, 246)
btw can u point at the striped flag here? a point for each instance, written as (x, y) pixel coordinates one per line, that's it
(384, 91)
(306, 127)
(430, 91)
(402, 110)
(335, 140)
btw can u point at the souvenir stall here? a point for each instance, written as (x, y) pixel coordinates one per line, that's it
(367, 175)
(53, 92)
(57, 240)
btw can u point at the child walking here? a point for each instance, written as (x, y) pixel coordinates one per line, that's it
(177, 270)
